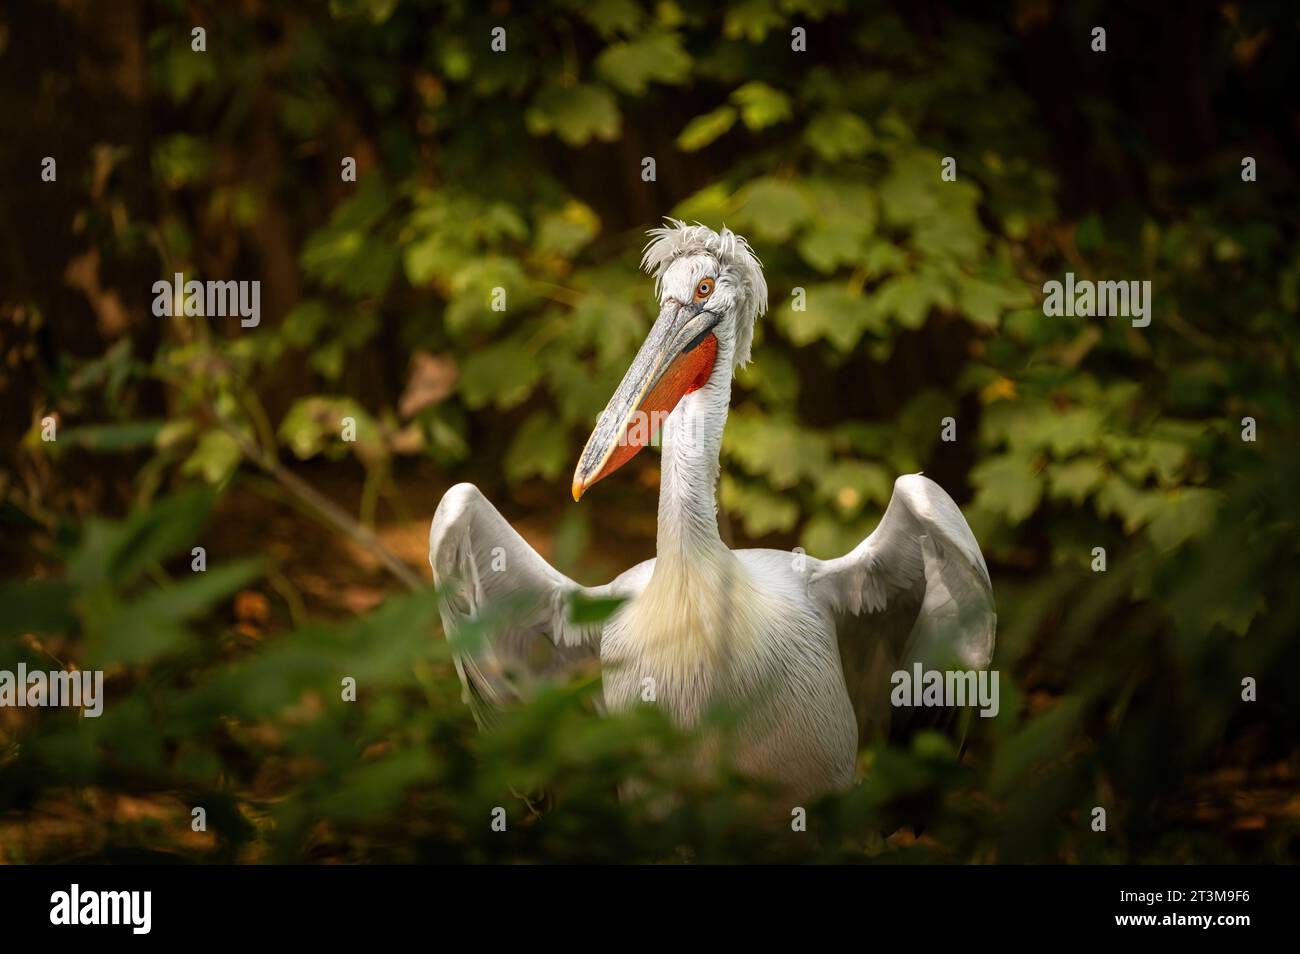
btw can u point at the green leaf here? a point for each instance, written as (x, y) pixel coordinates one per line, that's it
(181, 160)
(838, 135)
(1189, 513)
(39, 606)
(315, 425)
(583, 610)
(655, 56)
(832, 313)
(761, 105)
(710, 204)
(198, 593)
(702, 130)
(567, 231)
(1008, 486)
(610, 17)
(907, 299)
(502, 374)
(985, 302)
(151, 627)
(758, 508)
(775, 377)
(115, 437)
(780, 449)
(826, 536)
(772, 208)
(1074, 480)
(538, 449)
(850, 485)
(376, 788)
(475, 285)
(1041, 741)
(577, 114)
(751, 20)
(215, 458)
(351, 253)
(828, 247)
(1134, 506)
(117, 553)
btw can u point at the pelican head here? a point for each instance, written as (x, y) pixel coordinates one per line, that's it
(711, 290)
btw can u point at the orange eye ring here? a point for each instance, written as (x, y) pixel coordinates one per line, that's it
(704, 289)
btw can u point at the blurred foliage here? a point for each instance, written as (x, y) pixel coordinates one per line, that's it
(523, 171)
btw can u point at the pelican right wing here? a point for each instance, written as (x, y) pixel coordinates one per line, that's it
(915, 591)
(489, 575)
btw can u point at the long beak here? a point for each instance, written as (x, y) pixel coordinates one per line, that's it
(676, 359)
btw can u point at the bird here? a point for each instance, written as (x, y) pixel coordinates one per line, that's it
(804, 648)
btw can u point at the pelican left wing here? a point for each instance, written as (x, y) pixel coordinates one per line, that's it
(915, 591)
(488, 573)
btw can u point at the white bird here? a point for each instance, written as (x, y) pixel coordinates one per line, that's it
(806, 647)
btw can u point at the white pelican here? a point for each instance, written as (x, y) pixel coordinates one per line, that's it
(806, 646)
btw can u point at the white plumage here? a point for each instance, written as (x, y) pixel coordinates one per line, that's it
(805, 646)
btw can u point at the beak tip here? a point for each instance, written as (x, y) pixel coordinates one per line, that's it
(578, 488)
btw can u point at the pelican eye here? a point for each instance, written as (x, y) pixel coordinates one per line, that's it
(704, 289)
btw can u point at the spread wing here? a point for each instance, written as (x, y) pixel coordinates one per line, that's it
(507, 609)
(915, 590)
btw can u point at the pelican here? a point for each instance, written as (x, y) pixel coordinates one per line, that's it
(805, 648)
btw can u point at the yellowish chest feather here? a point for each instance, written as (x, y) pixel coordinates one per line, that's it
(707, 619)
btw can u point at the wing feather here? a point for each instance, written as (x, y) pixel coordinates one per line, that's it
(492, 578)
(916, 590)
